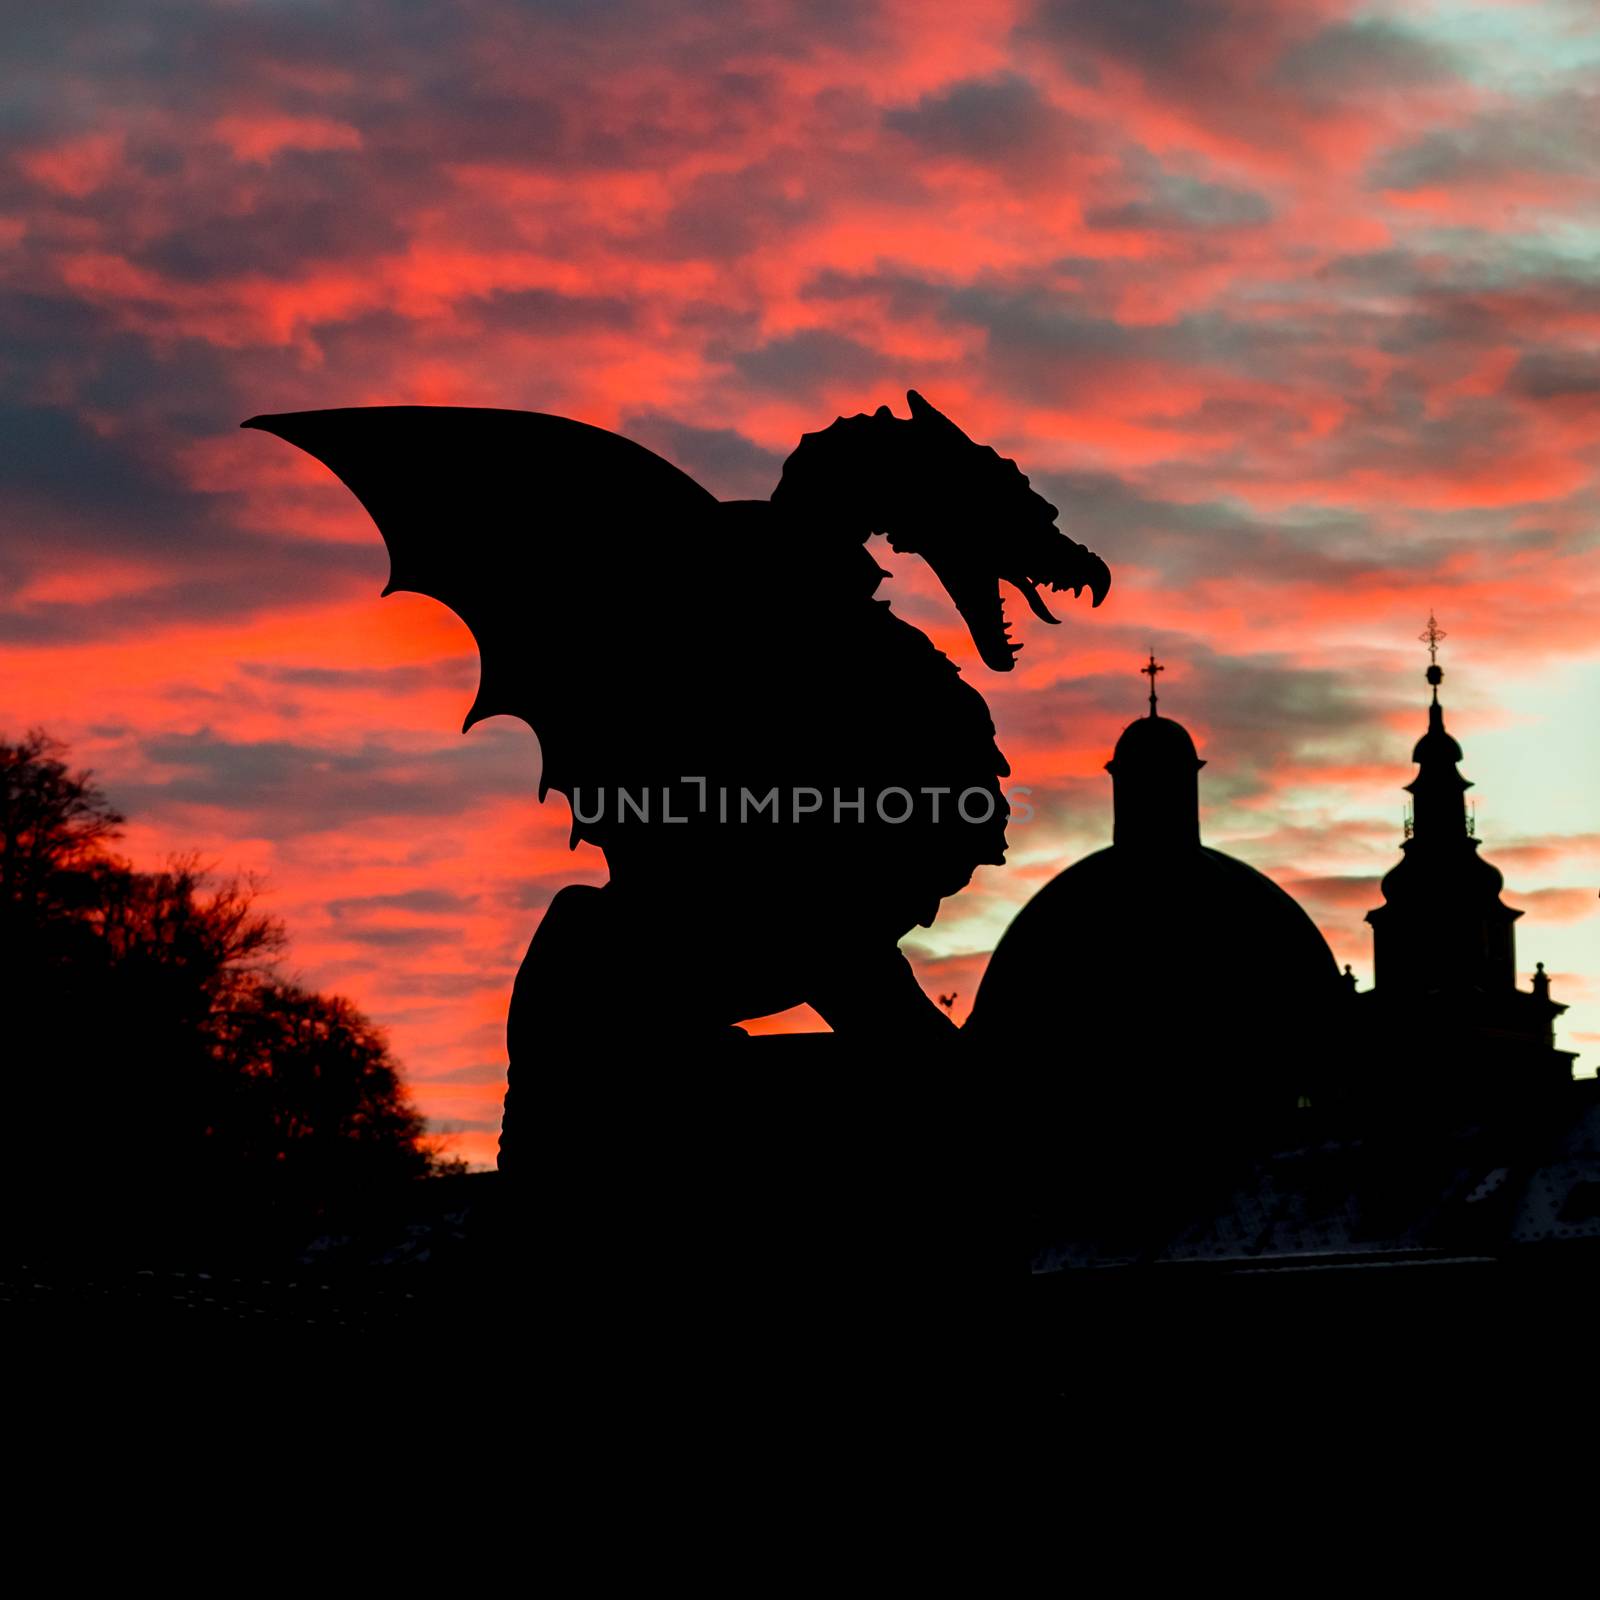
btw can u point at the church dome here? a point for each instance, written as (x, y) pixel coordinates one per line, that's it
(1437, 744)
(1196, 948)
(1158, 972)
(1155, 741)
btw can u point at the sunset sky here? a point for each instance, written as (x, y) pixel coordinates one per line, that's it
(1291, 306)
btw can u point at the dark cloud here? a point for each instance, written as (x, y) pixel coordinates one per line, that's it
(1463, 294)
(426, 901)
(1042, 345)
(485, 1072)
(241, 576)
(1556, 374)
(1558, 136)
(1209, 49)
(312, 206)
(63, 356)
(409, 938)
(1157, 35)
(1364, 55)
(466, 121)
(992, 120)
(286, 789)
(453, 673)
(1029, 320)
(1217, 60)
(57, 462)
(1174, 202)
(725, 215)
(731, 466)
(903, 296)
(425, 86)
(422, 983)
(1397, 428)
(73, 497)
(1184, 541)
(91, 480)
(804, 362)
(535, 893)
(545, 312)
(448, 1126)
(1467, 261)
(1246, 696)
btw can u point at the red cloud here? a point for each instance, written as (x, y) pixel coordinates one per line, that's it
(1556, 905)
(75, 167)
(260, 137)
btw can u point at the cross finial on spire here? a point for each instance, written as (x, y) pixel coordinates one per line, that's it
(1150, 672)
(1430, 636)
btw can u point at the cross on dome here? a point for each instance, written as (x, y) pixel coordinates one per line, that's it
(1150, 672)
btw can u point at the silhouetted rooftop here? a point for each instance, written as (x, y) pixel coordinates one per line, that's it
(1154, 740)
(1176, 949)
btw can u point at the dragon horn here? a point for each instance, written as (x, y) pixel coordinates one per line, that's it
(921, 411)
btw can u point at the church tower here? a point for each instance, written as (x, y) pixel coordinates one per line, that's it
(1444, 943)
(1155, 788)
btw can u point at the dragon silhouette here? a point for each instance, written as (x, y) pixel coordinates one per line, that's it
(680, 659)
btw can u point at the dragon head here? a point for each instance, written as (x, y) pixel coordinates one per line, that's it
(970, 514)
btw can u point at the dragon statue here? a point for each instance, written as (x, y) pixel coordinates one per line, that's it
(784, 777)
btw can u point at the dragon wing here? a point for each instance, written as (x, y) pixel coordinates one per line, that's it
(495, 513)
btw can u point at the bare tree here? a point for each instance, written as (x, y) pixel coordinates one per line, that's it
(55, 825)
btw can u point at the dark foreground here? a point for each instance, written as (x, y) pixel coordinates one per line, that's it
(457, 1268)
(854, 1256)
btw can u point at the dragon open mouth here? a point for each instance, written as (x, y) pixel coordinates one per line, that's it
(983, 610)
(1036, 605)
